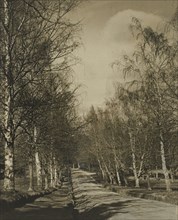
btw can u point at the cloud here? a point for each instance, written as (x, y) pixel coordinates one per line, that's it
(117, 34)
(104, 46)
(117, 27)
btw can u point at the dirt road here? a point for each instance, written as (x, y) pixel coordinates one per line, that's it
(93, 202)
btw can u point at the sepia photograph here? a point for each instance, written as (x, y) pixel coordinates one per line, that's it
(88, 109)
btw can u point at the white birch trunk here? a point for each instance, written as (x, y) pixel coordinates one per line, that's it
(137, 184)
(125, 180)
(102, 171)
(141, 165)
(46, 181)
(30, 166)
(156, 175)
(55, 172)
(45, 175)
(163, 159)
(51, 174)
(172, 175)
(117, 172)
(117, 168)
(38, 170)
(9, 183)
(107, 171)
(118, 177)
(37, 160)
(164, 166)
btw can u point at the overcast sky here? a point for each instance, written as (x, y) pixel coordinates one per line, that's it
(106, 37)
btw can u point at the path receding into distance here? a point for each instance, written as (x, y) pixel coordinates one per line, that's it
(92, 202)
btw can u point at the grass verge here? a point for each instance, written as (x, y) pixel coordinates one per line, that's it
(155, 194)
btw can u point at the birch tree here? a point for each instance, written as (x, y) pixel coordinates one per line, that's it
(154, 58)
(30, 44)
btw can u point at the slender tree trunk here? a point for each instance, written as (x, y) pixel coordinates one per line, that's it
(163, 158)
(172, 175)
(164, 166)
(117, 173)
(9, 183)
(124, 175)
(141, 165)
(108, 172)
(30, 166)
(59, 176)
(51, 172)
(137, 184)
(148, 181)
(106, 168)
(37, 160)
(38, 170)
(45, 173)
(157, 173)
(118, 177)
(55, 177)
(117, 168)
(55, 172)
(46, 186)
(102, 170)
(125, 180)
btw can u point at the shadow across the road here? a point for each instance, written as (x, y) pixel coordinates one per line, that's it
(103, 211)
(37, 213)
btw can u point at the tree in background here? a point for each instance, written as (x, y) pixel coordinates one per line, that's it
(136, 130)
(154, 60)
